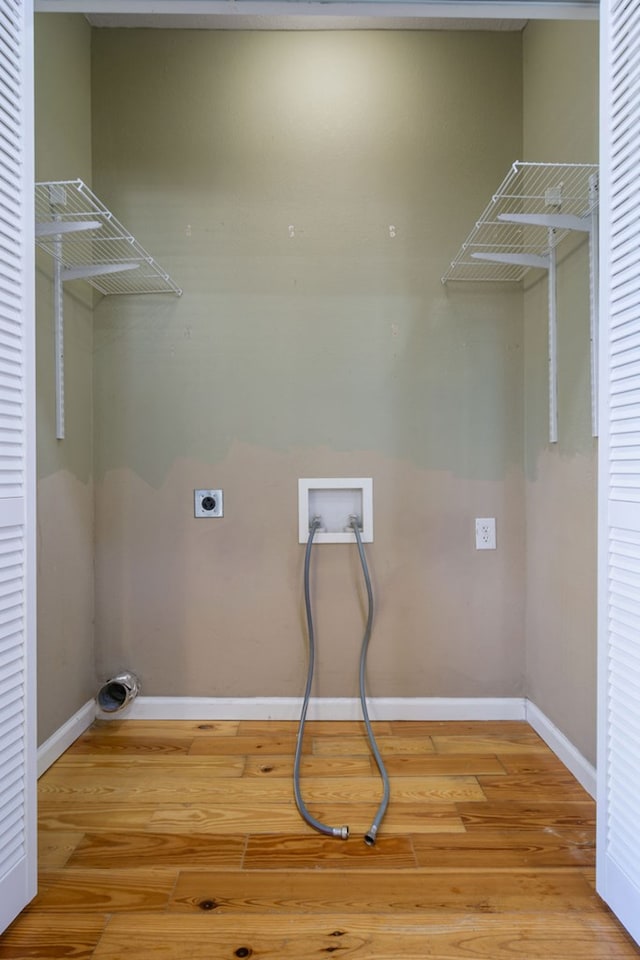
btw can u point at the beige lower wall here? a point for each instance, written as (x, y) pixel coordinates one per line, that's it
(215, 607)
(66, 672)
(561, 598)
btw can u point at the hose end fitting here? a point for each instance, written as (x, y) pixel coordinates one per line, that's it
(370, 837)
(342, 832)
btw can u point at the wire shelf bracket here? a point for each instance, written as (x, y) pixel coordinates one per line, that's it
(88, 243)
(535, 207)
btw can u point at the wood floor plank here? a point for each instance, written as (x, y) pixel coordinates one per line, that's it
(55, 848)
(150, 784)
(152, 787)
(521, 743)
(311, 766)
(400, 818)
(284, 818)
(533, 787)
(39, 936)
(125, 789)
(129, 759)
(134, 850)
(96, 745)
(560, 847)
(96, 775)
(385, 891)
(460, 728)
(249, 746)
(80, 891)
(91, 766)
(533, 763)
(271, 728)
(447, 765)
(450, 937)
(61, 815)
(523, 815)
(314, 852)
(403, 789)
(429, 765)
(313, 728)
(388, 746)
(228, 818)
(169, 728)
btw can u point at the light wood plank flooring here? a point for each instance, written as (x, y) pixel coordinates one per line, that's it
(181, 841)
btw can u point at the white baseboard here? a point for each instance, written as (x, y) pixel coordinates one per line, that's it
(64, 736)
(323, 708)
(328, 708)
(579, 766)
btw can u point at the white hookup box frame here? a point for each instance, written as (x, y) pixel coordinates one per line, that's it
(334, 499)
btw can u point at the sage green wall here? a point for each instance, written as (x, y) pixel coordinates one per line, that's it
(335, 352)
(65, 468)
(561, 124)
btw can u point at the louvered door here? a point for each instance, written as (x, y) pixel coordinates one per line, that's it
(619, 508)
(17, 484)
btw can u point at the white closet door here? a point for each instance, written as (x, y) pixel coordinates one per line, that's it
(619, 508)
(17, 482)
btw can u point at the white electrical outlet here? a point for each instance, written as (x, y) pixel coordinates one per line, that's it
(486, 533)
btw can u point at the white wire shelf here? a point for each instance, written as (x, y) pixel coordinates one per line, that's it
(89, 243)
(533, 209)
(565, 193)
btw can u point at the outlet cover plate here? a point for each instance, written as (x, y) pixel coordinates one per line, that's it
(485, 533)
(334, 498)
(208, 503)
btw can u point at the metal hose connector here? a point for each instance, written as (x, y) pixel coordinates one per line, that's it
(341, 832)
(370, 836)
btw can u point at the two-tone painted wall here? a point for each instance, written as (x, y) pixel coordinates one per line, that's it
(66, 658)
(265, 170)
(560, 122)
(335, 352)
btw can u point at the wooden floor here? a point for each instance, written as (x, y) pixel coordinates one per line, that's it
(181, 841)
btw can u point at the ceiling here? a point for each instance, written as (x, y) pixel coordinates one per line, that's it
(291, 21)
(496, 15)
